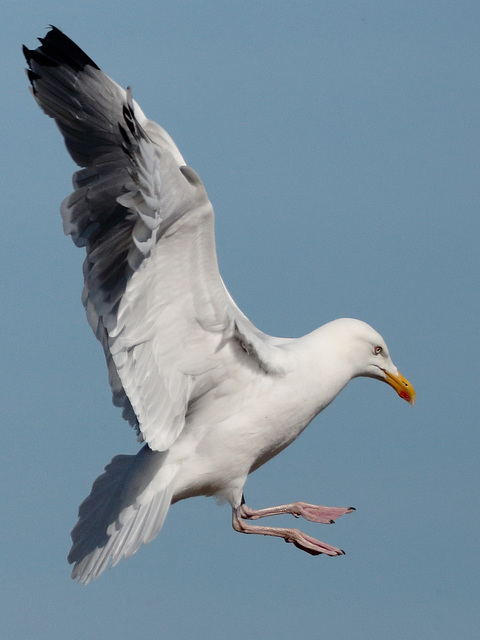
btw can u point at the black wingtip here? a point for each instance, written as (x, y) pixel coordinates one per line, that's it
(57, 49)
(32, 76)
(27, 53)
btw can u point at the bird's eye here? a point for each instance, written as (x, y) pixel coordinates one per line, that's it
(377, 350)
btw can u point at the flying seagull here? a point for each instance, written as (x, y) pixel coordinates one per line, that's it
(211, 396)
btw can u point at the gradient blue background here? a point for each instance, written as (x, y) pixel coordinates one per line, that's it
(338, 142)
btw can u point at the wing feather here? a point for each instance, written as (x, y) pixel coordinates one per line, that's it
(153, 293)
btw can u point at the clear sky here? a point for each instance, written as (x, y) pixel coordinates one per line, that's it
(338, 142)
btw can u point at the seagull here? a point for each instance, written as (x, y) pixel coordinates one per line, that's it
(211, 396)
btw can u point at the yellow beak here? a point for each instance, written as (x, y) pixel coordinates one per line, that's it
(401, 385)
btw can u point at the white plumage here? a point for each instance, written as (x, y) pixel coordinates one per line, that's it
(212, 397)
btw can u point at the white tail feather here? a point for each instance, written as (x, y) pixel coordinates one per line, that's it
(126, 507)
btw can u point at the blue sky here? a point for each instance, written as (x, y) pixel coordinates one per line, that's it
(338, 142)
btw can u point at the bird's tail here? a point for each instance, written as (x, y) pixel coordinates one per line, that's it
(126, 508)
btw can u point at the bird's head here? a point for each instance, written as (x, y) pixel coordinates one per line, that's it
(368, 354)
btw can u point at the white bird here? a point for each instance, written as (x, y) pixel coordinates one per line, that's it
(212, 397)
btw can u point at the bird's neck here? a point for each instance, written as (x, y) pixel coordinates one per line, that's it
(321, 369)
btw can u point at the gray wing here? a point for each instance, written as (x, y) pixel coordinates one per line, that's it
(153, 293)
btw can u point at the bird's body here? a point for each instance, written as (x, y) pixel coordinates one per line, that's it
(212, 397)
(231, 441)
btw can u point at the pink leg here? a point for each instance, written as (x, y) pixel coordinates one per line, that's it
(311, 512)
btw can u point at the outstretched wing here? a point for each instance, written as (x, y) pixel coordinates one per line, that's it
(153, 293)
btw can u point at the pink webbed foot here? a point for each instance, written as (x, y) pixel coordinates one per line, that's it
(314, 513)
(311, 512)
(317, 513)
(311, 545)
